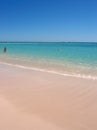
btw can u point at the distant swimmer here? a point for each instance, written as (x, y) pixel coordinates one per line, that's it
(4, 50)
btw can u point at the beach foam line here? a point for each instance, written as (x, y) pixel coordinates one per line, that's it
(52, 72)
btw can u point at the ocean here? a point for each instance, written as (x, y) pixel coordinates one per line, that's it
(65, 58)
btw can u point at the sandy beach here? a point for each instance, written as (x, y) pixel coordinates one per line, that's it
(34, 100)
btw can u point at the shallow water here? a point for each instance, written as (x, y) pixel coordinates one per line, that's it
(71, 58)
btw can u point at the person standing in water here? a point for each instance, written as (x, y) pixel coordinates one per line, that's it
(4, 50)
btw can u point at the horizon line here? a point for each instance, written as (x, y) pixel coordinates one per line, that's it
(47, 41)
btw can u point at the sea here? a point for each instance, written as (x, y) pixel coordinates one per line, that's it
(77, 59)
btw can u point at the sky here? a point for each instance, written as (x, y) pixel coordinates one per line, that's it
(48, 20)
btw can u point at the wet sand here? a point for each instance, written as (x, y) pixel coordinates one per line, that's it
(43, 101)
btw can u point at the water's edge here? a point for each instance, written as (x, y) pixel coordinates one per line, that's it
(52, 72)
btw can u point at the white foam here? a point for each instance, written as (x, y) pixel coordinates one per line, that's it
(53, 72)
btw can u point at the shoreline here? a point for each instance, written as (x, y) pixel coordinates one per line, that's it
(83, 76)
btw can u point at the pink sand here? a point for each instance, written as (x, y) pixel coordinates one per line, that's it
(33, 100)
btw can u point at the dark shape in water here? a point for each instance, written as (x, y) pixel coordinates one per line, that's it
(4, 50)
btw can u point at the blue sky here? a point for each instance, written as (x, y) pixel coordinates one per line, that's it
(48, 20)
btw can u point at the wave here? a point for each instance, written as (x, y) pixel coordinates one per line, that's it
(52, 72)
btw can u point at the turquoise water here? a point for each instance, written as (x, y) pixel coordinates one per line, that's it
(75, 58)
